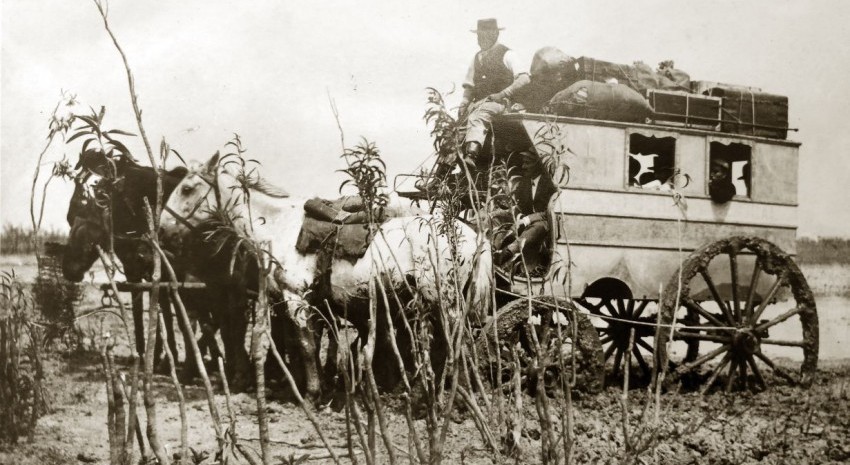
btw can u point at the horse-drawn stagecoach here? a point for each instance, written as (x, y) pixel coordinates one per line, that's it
(667, 272)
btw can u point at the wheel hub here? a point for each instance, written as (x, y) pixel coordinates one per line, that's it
(745, 341)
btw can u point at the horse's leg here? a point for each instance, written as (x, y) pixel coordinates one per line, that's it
(302, 348)
(138, 321)
(439, 347)
(168, 319)
(190, 367)
(331, 367)
(387, 373)
(239, 368)
(281, 334)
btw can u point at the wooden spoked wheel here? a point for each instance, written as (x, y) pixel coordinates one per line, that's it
(617, 317)
(510, 343)
(745, 314)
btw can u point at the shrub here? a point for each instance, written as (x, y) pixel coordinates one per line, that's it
(22, 399)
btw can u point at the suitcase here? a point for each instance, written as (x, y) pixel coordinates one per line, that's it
(683, 109)
(753, 113)
(703, 87)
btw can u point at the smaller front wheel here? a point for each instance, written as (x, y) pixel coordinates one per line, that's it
(546, 334)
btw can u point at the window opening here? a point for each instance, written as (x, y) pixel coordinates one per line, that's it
(731, 163)
(652, 161)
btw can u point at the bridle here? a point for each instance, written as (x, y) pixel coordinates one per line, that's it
(212, 185)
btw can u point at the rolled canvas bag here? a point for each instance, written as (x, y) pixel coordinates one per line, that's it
(596, 100)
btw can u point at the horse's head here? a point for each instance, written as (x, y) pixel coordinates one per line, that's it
(112, 206)
(191, 203)
(87, 216)
(207, 196)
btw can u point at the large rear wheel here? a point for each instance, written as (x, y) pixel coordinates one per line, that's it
(745, 318)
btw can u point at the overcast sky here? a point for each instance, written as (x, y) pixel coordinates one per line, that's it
(206, 69)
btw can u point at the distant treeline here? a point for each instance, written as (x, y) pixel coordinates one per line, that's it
(823, 250)
(19, 240)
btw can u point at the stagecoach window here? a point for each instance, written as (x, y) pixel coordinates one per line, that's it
(735, 159)
(652, 160)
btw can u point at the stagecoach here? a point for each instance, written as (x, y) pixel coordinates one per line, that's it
(665, 272)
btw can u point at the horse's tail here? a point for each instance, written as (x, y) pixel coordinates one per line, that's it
(481, 282)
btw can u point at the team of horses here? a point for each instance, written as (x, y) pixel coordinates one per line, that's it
(209, 214)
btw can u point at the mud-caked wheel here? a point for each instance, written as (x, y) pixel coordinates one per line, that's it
(550, 334)
(744, 318)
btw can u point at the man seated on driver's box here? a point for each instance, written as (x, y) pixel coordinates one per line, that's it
(532, 194)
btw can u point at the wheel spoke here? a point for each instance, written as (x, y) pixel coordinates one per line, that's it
(726, 358)
(764, 303)
(617, 360)
(630, 308)
(703, 337)
(606, 339)
(621, 308)
(778, 319)
(716, 295)
(641, 307)
(699, 361)
(742, 367)
(779, 371)
(610, 350)
(755, 369)
(731, 375)
(691, 304)
(779, 342)
(643, 365)
(611, 309)
(640, 342)
(733, 266)
(754, 281)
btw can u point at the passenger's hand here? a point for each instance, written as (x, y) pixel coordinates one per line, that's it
(498, 97)
(517, 108)
(523, 220)
(462, 111)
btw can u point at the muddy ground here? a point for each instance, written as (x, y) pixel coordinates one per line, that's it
(786, 424)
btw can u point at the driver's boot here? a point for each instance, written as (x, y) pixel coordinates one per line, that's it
(472, 150)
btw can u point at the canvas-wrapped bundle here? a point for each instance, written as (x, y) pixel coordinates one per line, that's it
(597, 100)
(639, 76)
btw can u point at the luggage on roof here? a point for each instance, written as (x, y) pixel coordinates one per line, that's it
(685, 109)
(640, 76)
(596, 100)
(753, 113)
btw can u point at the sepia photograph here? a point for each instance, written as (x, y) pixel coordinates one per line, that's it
(408, 232)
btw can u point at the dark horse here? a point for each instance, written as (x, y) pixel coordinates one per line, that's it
(113, 210)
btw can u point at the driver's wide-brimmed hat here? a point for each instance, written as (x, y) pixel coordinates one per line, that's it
(487, 25)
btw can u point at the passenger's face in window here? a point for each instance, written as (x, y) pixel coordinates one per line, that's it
(720, 170)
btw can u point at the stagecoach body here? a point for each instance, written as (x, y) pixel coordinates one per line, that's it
(622, 233)
(704, 284)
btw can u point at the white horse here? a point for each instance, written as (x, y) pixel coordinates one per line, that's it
(408, 247)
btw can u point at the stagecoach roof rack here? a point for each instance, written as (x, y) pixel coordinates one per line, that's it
(519, 117)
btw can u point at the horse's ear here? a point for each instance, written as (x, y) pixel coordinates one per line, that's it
(212, 164)
(179, 172)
